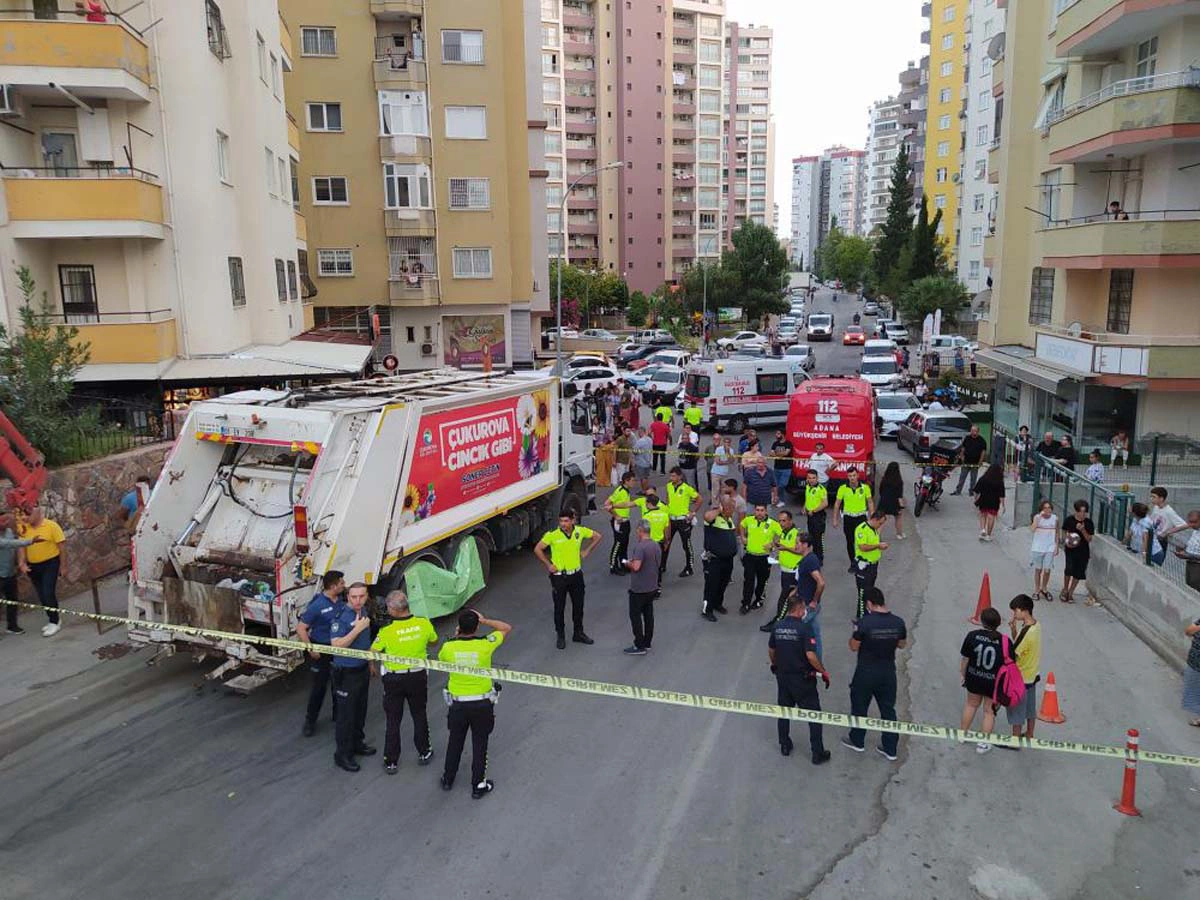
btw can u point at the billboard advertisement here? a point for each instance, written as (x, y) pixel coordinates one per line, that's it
(465, 453)
(473, 341)
(727, 315)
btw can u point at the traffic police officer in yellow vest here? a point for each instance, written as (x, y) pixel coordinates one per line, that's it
(565, 565)
(758, 533)
(683, 501)
(720, 550)
(406, 635)
(617, 505)
(785, 549)
(658, 519)
(816, 502)
(664, 412)
(853, 504)
(693, 415)
(472, 698)
(868, 549)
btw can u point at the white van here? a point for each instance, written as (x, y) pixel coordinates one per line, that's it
(735, 393)
(880, 347)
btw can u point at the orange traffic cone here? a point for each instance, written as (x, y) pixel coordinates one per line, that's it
(1127, 805)
(985, 599)
(1050, 711)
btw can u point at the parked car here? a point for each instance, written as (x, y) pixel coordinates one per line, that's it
(750, 351)
(944, 346)
(596, 376)
(740, 340)
(788, 336)
(803, 353)
(893, 407)
(670, 358)
(926, 427)
(854, 334)
(820, 327)
(598, 334)
(641, 352)
(870, 308)
(897, 333)
(637, 379)
(787, 321)
(881, 325)
(654, 336)
(666, 384)
(881, 372)
(583, 360)
(550, 335)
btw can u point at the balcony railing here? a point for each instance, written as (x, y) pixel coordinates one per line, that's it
(82, 172)
(1126, 88)
(1128, 215)
(127, 317)
(1099, 334)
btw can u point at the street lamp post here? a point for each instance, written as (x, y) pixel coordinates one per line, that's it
(562, 250)
(704, 314)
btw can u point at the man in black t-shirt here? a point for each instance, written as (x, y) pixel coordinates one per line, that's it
(1078, 531)
(1048, 447)
(794, 661)
(781, 454)
(970, 455)
(982, 656)
(875, 640)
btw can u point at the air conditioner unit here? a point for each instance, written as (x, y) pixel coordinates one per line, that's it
(956, 177)
(9, 102)
(427, 349)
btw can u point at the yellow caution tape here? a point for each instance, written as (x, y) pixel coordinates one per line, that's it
(657, 695)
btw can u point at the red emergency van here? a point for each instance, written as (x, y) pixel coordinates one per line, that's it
(840, 413)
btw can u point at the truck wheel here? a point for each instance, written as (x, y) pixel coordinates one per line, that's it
(738, 423)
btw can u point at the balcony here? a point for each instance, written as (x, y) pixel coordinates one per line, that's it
(683, 109)
(590, 228)
(684, 55)
(578, 17)
(1134, 116)
(409, 222)
(83, 203)
(583, 253)
(683, 28)
(409, 289)
(1090, 27)
(582, 153)
(301, 229)
(118, 338)
(581, 125)
(397, 9)
(1148, 239)
(683, 155)
(400, 73)
(578, 48)
(582, 101)
(90, 59)
(1102, 353)
(405, 148)
(683, 249)
(577, 202)
(293, 134)
(579, 75)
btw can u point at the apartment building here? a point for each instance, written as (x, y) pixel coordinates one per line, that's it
(884, 139)
(1093, 323)
(748, 157)
(913, 98)
(157, 218)
(844, 190)
(806, 208)
(980, 112)
(943, 128)
(422, 180)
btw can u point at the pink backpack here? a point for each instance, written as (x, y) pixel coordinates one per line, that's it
(1010, 684)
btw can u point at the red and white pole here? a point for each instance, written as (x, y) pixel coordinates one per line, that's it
(1129, 786)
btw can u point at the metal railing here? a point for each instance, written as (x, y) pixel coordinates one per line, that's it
(127, 317)
(102, 427)
(386, 48)
(1101, 335)
(81, 172)
(69, 14)
(1128, 87)
(1128, 215)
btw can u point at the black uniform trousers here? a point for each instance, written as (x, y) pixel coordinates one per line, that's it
(849, 523)
(799, 691)
(658, 462)
(620, 548)
(718, 572)
(816, 531)
(350, 688)
(683, 528)
(320, 669)
(876, 683)
(641, 618)
(787, 583)
(865, 574)
(562, 585)
(400, 688)
(479, 718)
(756, 572)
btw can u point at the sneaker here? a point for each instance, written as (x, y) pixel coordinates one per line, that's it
(743, 609)
(850, 745)
(822, 757)
(634, 651)
(14, 629)
(482, 789)
(424, 758)
(686, 573)
(447, 783)
(890, 757)
(982, 748)
(580, 638)
(51, 629)
(561, 642)
(769, 626)
(710, 616)
(391, 768)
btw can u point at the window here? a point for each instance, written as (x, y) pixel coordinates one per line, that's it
(270, 170)
(281, 280)
(466, 122)
(948, 14)
(1147, 58)
(549, 63)
(472, 262)
(275, 85)
(943, 148)
(977, 203)
(295, 179)
(973, 269)
(335, 263)
(465, 47)
(985, 66)
(1120, 300)
(293, 286)
(406, 187)
(1041, 295)
(237, 281)
(308, 289)
(940, 175)
(944, 95)
(284, 179)
(980, 169)
(947, 41)
(947, 68)
(554, 194)
(776, 384)
(330, 190)
(223, 157)
(218, 40)
(316, 41)
(985, 100)
(939, 201)
(977, 236)
(262, 57)
(403, 113)
(943, 122)
(324, 116)
(553, 142)
(981, 136)
(78, 286)
(470, 193)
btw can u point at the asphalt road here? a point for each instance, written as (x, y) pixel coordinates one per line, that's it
(157, 785)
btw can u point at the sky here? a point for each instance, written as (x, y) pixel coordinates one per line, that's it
(832, 61)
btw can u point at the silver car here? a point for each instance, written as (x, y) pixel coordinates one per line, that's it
(802, 354)
(924, 428)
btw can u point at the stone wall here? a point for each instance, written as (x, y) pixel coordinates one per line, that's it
(83, 499)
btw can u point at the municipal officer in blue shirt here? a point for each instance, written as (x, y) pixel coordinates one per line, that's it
(351, 627)
(313, 628)
(792, 650)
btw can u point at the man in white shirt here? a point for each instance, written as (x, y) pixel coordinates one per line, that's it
(1191, 553)
(1166, 521)
(821, 462)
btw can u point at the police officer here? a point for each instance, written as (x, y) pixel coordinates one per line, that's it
(406, 635)
(758, 533)
(875, 640)
(795, 664)
(617, 505)
(854, 502)
(664, 412)
(868, 548)
(472, 698)
(565, 565)
(351, 627)
(683, 501)
(720, 550)
(786, 551)
(816, 502)
(313, 628)
(693, 415)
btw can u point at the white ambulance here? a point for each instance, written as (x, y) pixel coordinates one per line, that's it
(735, 393)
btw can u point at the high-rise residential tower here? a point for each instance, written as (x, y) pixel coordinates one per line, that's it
(884, 138)
(943, 127)
(806, 208)
(913, 99)
(747, 192)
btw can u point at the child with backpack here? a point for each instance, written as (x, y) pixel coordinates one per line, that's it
(989, 673)
(1027, 648)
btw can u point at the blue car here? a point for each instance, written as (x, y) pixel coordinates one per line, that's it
(639, 378)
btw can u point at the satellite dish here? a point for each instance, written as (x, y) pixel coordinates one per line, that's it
(1075, 329)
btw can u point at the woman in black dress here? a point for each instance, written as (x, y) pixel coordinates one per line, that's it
(989, 499)
(891, 495)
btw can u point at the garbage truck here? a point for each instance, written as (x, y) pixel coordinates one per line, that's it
(412, 481)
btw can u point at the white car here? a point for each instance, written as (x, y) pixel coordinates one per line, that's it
(596, 376)
(653, 336)
(801, 355)
(598, 334)
(881, 372)
(788, 336)
(582, 361)
(897, 332)
(820, 327)
(881, 325)
(893, 407)
(787, 321)
(944, 346)
(880, 347)
(667, 382)
(551, 334)
(678, 358)
(741, 340)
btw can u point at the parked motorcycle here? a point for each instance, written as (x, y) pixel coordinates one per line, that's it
(928, 490)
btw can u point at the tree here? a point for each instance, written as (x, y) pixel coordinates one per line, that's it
(928, 256)
(639, 309)
(925, 295)
(38, 366)
(851, 258)
(759, 265)
(896, 231)
(723, 287)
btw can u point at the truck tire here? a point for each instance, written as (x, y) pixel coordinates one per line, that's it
(737, 423)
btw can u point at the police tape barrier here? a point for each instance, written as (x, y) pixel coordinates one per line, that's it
(655, 695)
(675, 450)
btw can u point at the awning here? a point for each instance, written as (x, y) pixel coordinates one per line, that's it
(1017, 362)
(292, 359)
